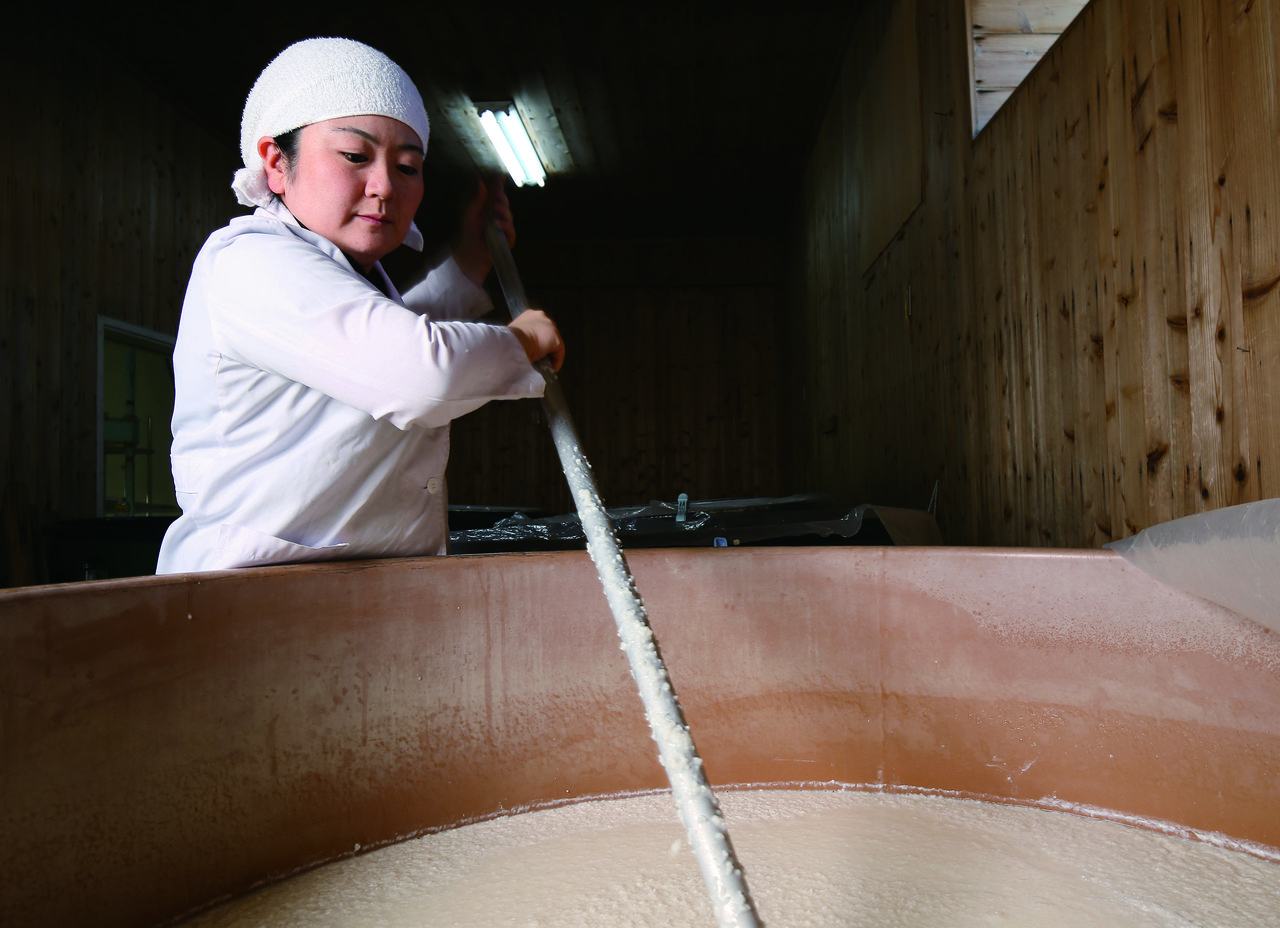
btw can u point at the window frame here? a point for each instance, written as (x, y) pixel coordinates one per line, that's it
(141, 337)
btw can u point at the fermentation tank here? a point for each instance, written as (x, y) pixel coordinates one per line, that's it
(167, 742)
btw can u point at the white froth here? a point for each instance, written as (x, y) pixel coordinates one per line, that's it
(816, 859)
(695, 802)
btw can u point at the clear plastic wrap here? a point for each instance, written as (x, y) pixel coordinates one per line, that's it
(1228, 556)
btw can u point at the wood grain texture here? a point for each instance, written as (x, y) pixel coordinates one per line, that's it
(1002, 61)
(987, 102)
(671, 376)
(889, 100)
(1009, 37)
(1093, 341)
(993, 17)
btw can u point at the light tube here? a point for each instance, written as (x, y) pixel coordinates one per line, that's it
(514, 130)
(498, 139)
(511, 141)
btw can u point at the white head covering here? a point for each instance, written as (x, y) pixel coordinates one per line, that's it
(319, 79)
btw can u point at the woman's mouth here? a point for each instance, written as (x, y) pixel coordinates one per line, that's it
(374, 220)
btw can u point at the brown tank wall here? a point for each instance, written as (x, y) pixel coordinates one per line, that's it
(169, 741)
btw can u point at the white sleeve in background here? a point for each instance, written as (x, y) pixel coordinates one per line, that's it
(447, 293)
(281, 305)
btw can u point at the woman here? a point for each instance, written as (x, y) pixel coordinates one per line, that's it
(313, 401)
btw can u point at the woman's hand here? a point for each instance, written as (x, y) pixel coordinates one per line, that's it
(539, 337)
(499, 208)
(488, 204)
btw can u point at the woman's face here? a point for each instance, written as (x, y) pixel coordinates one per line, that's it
(356, 180)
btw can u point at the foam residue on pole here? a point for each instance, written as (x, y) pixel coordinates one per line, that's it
(695, 802)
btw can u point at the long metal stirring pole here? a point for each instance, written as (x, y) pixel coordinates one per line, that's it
(699, 811)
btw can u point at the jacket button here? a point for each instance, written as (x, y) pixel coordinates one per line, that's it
(433, 485)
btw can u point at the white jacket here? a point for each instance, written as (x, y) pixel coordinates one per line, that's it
(311, 414)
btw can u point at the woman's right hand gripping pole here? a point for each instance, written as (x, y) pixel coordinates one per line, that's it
(539, 337)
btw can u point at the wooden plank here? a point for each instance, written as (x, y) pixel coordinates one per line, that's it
(540, 113)
(1059, 492)
(820, 256)
(1177, 489)
(599, 120)
(1149, 225)
(571, 116)
(1002, 62)
(975, 124)
(1250, 39)
(1200, 242)
(1023, 16)
(1127, 438)
(16, 420)
(45, 273)
(9, 368)
(1226, 319)
(848, 387)
(887, 136)
(1092, 522)
(463, 123)
(1024, 329)
(988, 103)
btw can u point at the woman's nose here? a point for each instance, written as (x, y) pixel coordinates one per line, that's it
(378, 181)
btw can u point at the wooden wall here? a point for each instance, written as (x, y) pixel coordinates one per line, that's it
(672, 374)
(1078, 333)
(108, 192)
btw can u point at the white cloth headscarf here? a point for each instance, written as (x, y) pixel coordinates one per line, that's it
(319, 79)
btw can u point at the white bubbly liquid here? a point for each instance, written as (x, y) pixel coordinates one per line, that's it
(812, 858)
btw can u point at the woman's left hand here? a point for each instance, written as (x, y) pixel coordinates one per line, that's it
(499, 208)
(489, 204)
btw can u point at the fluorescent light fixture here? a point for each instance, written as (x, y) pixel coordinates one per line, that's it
(508, 136)
(513, 129)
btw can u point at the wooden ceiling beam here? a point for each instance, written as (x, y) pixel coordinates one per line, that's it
(991, 17)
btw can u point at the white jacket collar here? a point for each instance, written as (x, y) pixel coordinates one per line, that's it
(277, 210)
(412, 239)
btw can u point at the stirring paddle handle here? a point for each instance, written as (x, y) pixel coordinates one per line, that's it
(695, 802)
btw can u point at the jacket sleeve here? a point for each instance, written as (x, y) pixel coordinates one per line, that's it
(447, 293)
(280, 304)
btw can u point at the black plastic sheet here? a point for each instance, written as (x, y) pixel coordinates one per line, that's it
(790, 520)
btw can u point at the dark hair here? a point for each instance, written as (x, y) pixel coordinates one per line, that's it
(287, 142)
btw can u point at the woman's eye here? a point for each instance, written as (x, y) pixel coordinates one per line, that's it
(355, 157)
(408, 170)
